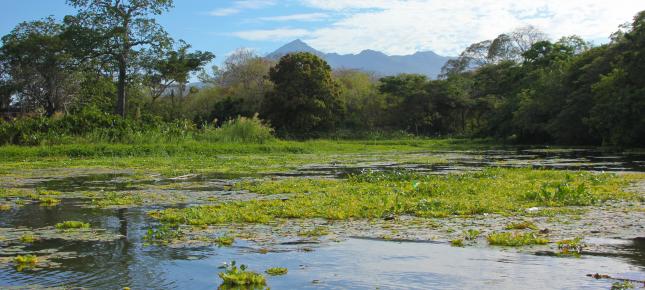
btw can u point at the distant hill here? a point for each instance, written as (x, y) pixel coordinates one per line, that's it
(426, 62)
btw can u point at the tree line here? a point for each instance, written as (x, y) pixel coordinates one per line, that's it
(519, 87)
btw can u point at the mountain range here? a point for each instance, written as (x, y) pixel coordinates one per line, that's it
(425, 62)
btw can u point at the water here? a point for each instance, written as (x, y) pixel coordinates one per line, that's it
(353, 263)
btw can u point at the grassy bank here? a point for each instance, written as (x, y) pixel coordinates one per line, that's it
(220, 157)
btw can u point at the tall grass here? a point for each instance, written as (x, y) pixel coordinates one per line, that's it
(239, 130)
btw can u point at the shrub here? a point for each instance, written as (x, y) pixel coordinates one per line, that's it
(240, 130)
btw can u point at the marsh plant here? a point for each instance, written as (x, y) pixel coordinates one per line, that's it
(457, 243)
(471, 234)
(239, 276)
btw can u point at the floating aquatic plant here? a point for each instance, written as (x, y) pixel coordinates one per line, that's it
(72, 225)
(277, 271)
(522, 226)
(516, 239)
(572, 247)
(235, 276)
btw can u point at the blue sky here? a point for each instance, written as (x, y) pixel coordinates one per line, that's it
(349, 26)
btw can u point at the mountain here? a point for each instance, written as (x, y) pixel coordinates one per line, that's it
(426, 62)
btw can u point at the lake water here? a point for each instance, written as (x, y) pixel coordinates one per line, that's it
(354, 263)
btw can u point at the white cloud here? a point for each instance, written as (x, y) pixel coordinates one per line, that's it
(447, 27)
(241, 5)
(297, 17)
(278, 34)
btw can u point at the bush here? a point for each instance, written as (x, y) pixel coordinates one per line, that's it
(240, 130)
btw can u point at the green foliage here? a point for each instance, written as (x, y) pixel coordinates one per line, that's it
(457, 243)
(305, 99)
(234, 276)
(562, 193)
(277, 271)
(72, 225)
(516, 239)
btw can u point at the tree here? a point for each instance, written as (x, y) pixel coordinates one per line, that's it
(37, 60)
(123, 29)
(173, 69)
(305, 99)
(409, 102)
(244, 76)
(363, 104)
(505, 47)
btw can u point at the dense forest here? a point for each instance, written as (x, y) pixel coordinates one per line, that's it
(112, 71)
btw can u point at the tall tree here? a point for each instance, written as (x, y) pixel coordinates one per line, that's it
(37, 59)
(124, 29)
(173, 68)
(306, 97)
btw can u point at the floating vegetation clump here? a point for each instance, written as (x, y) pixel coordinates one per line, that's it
(516, 239)
(622, 285)
(234, 276)
(5, 207)
(48, 201)
(111, 199)
(164, 234)
(277, 271)
(224, 240)
(493, 191)
(565, 193)
(522, 226)
(25, 262)
(318, 231)
(28, 238)
(72, 225)
(572, 247)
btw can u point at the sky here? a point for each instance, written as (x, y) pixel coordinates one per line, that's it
(395, 27)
